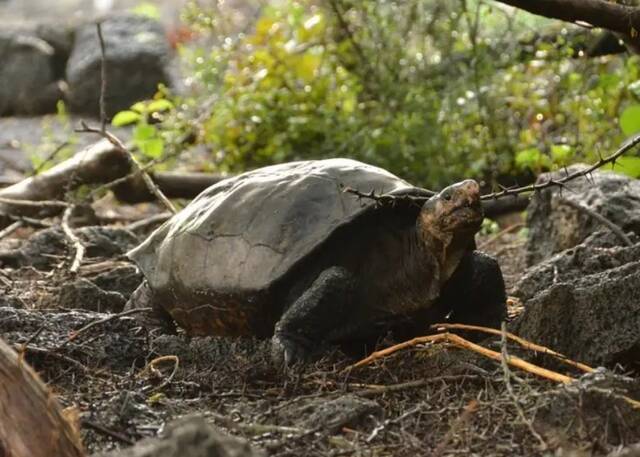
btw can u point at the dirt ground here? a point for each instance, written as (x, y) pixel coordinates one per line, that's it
(126, 383)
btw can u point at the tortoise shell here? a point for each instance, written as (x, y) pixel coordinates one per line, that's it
(241, 235)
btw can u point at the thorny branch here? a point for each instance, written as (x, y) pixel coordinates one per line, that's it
(389, 199)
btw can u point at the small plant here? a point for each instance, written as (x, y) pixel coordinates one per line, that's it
(57, 142)
(147, 138)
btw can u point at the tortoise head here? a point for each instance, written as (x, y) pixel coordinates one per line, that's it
(449, 220)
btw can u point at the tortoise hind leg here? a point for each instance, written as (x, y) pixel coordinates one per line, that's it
(318, 312)
(476, 292)
(157, 317)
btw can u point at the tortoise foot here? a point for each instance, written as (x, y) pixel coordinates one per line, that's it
(287, 351)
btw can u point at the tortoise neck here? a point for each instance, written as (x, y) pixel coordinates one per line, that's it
(447, 248)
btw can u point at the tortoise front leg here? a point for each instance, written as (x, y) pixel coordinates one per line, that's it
(476, 292)
(318, 312)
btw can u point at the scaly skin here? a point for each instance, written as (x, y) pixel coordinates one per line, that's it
(399, 273)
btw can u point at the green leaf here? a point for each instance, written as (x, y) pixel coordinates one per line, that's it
(144, 132)
(139, 107)
(159, 105)
(561, 154)
(630, 120)
(125, 118)
(152, 148)
(532, 159)
(629, 166)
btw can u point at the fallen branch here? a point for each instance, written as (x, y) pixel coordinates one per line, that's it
(460, 342)
(78, 247)
(393, 388)
(31, 421)
(521, 341)
(10, 229)
(42, 195)
(600, 218)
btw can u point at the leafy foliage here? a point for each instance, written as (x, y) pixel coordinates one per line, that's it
(432, 91)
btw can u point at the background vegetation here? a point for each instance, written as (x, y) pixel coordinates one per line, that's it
(431, 90)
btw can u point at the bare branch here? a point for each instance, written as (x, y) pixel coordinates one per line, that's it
(597, 13)
(600, 218)
(73, 238)
(103, 79)
(134, 163)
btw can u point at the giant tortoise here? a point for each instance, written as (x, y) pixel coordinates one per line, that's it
(284, 252)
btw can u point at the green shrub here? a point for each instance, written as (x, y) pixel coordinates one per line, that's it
(433, 91)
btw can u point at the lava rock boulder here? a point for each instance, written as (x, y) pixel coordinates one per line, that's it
(137, 59)
(555, 225)
(28, 83)
(585, 302)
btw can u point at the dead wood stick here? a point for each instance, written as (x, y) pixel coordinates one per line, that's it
(600, 218)
(133, 163)
(10, 229)
(151, 368)
(31, 420)
(42, 194)
(90, 325)
(78, 247)
(500, 234)
(185, 185)
(254, 429)
(460, 342)
(108, 432)
(521, 341)
(384, 389)
(465, 344)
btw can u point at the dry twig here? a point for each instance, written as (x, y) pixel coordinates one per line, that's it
(90, 325)
(521, 341)
(115, 141)
(151, 368)
(504, 362)
(500, 234)
(465, 344)
(600, 218)
(10, 229)
(77, 244)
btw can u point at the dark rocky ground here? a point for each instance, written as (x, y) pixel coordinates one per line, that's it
(127, 383)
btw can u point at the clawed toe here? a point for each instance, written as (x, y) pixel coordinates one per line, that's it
(286, 352)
